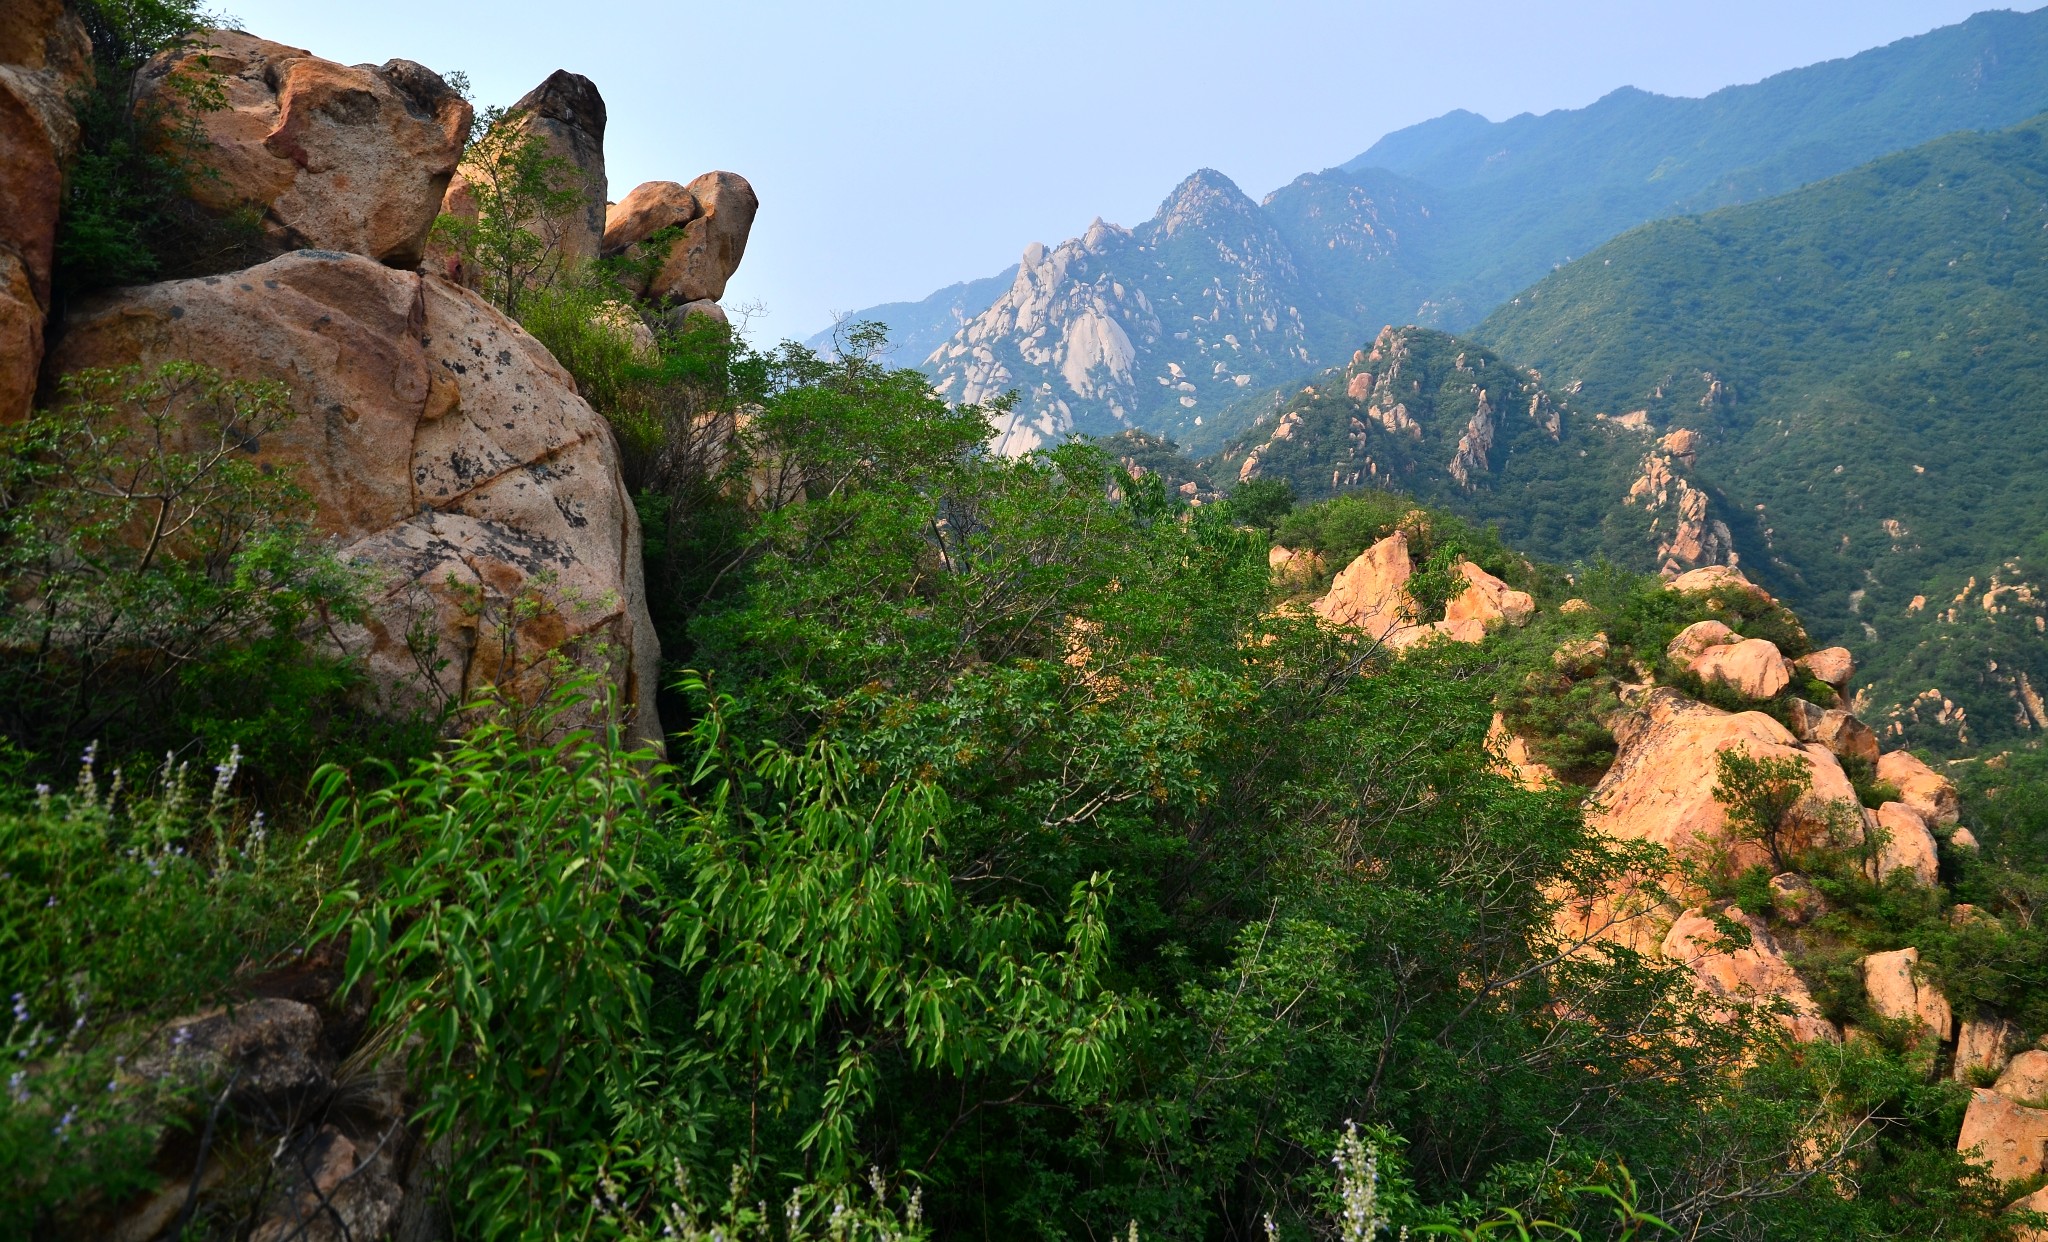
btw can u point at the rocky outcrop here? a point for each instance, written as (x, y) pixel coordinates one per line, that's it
(1833, 665)
(1294, 568)
(1752, 668)
(715, 213)
(1984, 1045)
(45, 56)
(567, 115)
(446, 451)
(1371, 593)
(1846, 736)
(1920, 787)
(332, 157)
(1714, 577)
(2009, 1138)
(1661, 786)
(1907, 844)
(1681, 522)
(1695, 639)
(1488, 600)
(1755, 973)
(2025, 1078)
(1896, 992)
(1512, 757)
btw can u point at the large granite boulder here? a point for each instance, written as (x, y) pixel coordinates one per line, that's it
(1752, 668)
(334, 157)
(716, 212)
(45, 56)
(1755, 974)
(2007, 1136)
(1896, 991)
(566, 114)
(1371, 593)
(1920, 787)
(1661, 786)
(445, 449)
(1488, 600)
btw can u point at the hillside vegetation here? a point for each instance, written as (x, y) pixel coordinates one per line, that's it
(1874, 343)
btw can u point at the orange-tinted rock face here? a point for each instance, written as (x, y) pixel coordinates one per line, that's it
(1513, 760)
(1984, 1044)
(1488, 600)
(1696, 639)
(2026, 1078)
(45, 56)
(1756, 973)
(438, 440)
(716, 213)
(1661, 787)
(336, 157)
(2010, 1138)
(1920, 787)
(1907, 844)
(1895, 992)
(1846, 736)
(1752, 668)
(1708, 577)
(1371, 593)
(1833, 665)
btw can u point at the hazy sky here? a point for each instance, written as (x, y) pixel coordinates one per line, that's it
(899, 146)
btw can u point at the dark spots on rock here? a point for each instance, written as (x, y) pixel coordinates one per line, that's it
(323, 321)
(504, 357)
(570, 512)
(270, 284)
(247, 288)
(177, 312)
(210, 280)
(509, 426)
(332, 255)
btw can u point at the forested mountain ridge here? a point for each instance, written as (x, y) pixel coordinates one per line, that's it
(1437, 224)
(1878, 388)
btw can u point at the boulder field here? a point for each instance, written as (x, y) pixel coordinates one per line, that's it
(1660, 789)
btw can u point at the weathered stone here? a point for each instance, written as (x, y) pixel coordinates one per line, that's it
(1889, 980)
(270, 1048)
(1795, 898)
(1963, 838)
(1907, 844)
(1756, 973)
(1845, 735)
(1752, 668)
(567, 114)
(335, 157)
(45, 56)
(1806, 718)
(1581, 657)
(445, 450)
(1661, 787)
(334, 1190)
(1294, 568)
(1920, 787)
(1371, 593)
(2010, 1138)
(2036, 1202)
(1696, 639)
(1833, 665)
(1511, 757)
(1488, 600)
(1572, 606)
(679, 317)
(1985, 1044)
(1709, 577)
(2025, 1078)
(703, 258)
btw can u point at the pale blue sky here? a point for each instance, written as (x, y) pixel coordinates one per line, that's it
(901, 146)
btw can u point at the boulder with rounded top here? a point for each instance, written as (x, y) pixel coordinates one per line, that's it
(1698, 638)
(1920, 787)
(1983, 1045)
(2025, 1078)
(1907, 843)
(333, 157)
(715, 212)
(2008, 1137)
(1895, 990)
(1752, 668)
(444, 449)
(564, 118)
(1711, 577)
(1754, 973)
(1488, 600)
(1846, 735)
(1833, 665)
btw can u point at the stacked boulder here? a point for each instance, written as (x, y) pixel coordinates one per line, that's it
(685, 240)
(1371, 594)
(445, 451)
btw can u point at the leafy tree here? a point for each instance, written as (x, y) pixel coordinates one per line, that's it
(1759, 792)
(522, 203)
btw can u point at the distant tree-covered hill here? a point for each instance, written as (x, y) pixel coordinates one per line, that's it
(1863, 363)
(1168, 325)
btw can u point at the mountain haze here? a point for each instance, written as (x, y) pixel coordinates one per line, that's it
(1434, 225)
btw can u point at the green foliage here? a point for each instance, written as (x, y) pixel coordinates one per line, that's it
(1262, 502)
(1852, 354)
(522, 202)
(127, 216)
(121, 899)
(159, 581)
(1759, 793)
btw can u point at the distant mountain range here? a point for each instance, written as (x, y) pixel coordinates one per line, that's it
(1168, 326)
